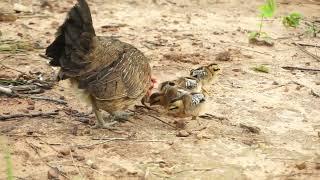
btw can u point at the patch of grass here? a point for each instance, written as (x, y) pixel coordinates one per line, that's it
(261, 68)
(292, 20)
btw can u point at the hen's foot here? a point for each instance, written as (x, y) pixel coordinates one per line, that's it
(105, 125)
(121, 116)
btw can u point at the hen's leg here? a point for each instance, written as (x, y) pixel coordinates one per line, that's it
(100, 122)
(121, 116)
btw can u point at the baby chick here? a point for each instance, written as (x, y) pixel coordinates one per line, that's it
(167, 93)
(189, 104)
(205, 74)
(190, 84)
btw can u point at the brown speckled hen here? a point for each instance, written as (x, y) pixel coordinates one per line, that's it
(111, 73)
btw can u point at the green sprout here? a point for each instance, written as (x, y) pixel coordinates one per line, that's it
(7, 157)
(312, 29)
(266, 10)
(292, 20)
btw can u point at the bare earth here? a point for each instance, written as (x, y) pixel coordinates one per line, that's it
(176, 36)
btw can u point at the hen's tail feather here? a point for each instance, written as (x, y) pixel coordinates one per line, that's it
(73, 41)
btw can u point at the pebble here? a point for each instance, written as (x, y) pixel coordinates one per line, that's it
(53, 173)
(65, 151)
(183, 133)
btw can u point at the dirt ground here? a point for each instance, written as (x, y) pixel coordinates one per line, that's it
(282, 107)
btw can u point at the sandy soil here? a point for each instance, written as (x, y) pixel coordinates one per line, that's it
(176, 36)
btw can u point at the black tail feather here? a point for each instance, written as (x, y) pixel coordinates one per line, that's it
(73, 41)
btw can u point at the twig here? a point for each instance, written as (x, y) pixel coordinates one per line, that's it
(299, 68)
(127, 139)
(75, 165)
(94, 144)
(44, 56)
(307, 52)
(308, 45)
(58, 101)
(8, 117)
(211, 116)
(196, 169)
(5, 90)
(161, 120)
(248, 49)
(11, 92)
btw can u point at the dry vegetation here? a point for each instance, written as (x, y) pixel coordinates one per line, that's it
(263, 117)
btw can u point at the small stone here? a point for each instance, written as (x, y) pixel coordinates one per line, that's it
(89, 162)
(79, 157)
(301, 166)
(180, 124)
(170, 142)
(53, 173)
(30, 108)
(21, 8)
(182, 133)
(30, 102)
(94, 166)
(162, 164)
(24, 111)
(65, 151)
(275, 83)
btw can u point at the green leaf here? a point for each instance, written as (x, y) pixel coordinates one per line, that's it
(268, 9)
(292, 20)
(261, 68)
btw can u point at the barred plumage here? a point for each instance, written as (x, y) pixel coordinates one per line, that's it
(114, 74)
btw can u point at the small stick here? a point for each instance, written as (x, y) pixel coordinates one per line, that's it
(58, 101)
(127, 139)
(299, 68)
(196, 169)
(6, 91)
(161, 120)
(211, 116)
(8, 117)
(307, 52)
(309, 45)
(75, 165)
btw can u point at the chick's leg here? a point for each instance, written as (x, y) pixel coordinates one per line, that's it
(206, 91)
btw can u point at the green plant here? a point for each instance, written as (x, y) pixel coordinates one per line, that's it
(312, 29)
(266, 10)
(292, 20)
(7, 158)
(261, 68)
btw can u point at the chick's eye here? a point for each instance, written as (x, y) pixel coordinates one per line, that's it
(173, 108)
